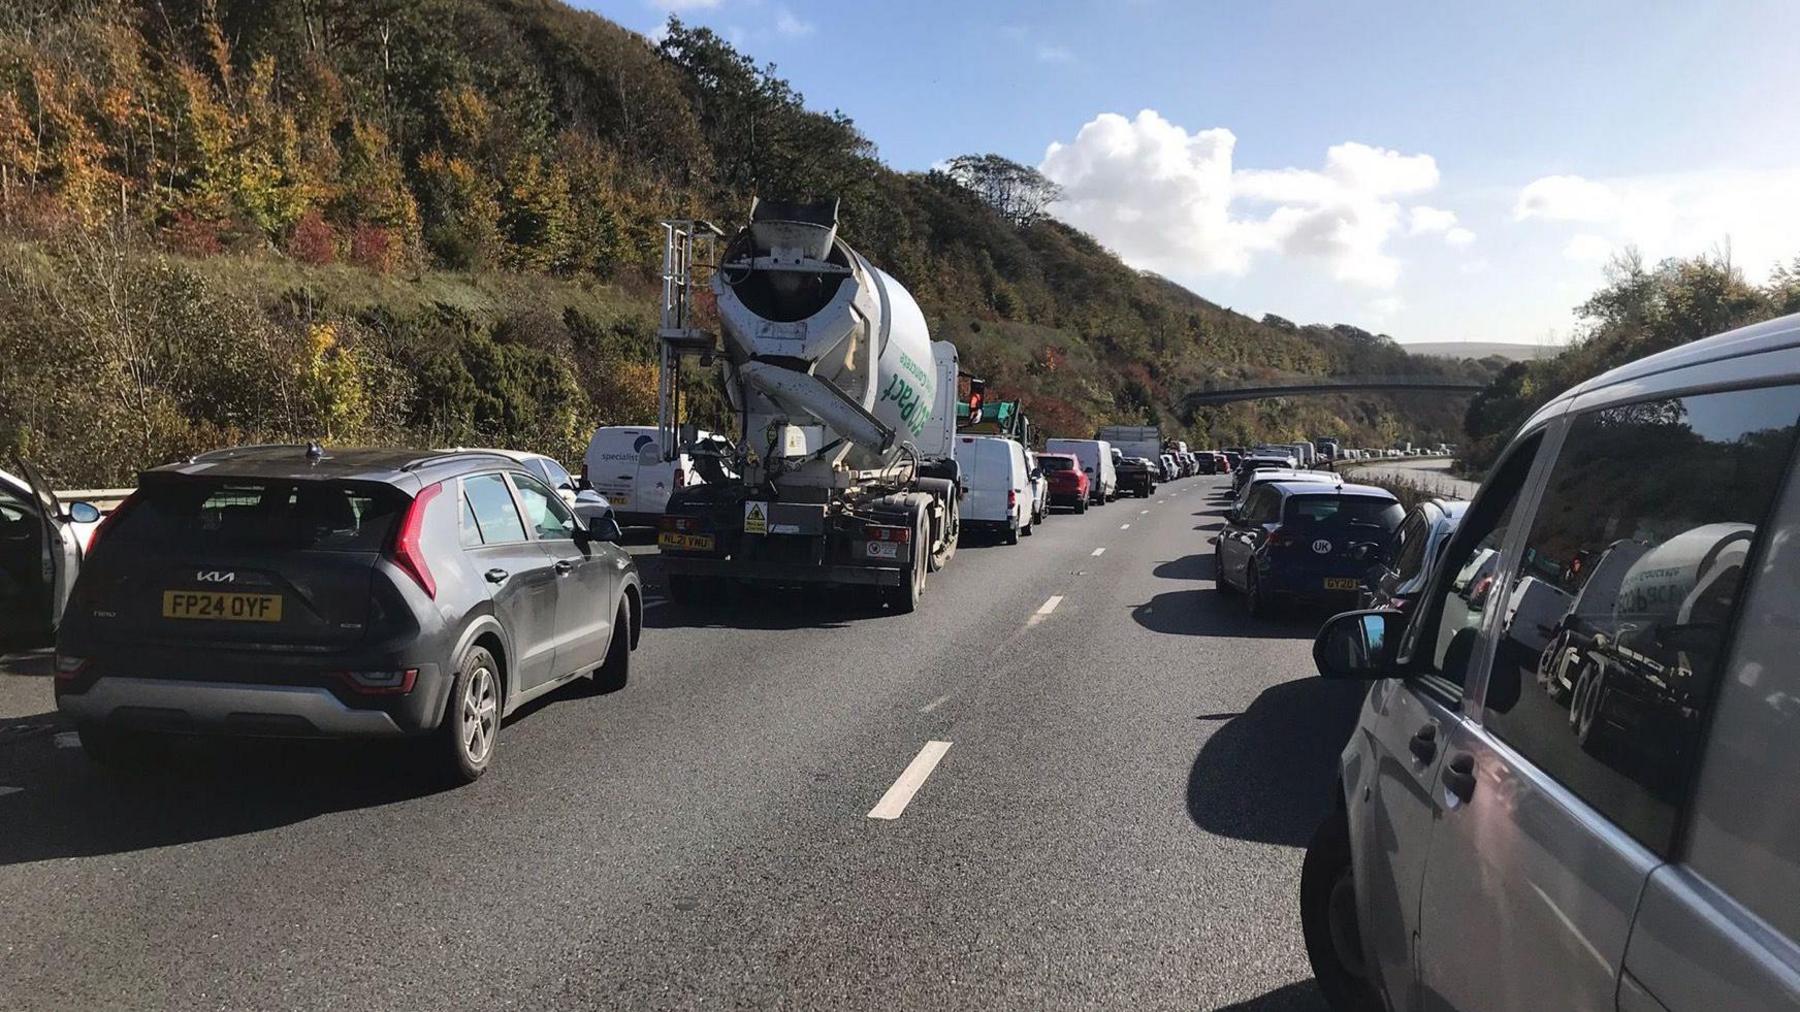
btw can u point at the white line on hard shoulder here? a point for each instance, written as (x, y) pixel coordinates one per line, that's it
(934, 704)
(911, 779)
(1100, 551)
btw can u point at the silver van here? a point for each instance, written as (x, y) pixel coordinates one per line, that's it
(1616, 825)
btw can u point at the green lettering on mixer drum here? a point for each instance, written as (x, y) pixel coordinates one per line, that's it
(915, 410)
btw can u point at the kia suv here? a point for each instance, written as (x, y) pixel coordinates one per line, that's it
(291, 591)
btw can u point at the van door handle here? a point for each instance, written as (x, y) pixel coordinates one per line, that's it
(1459, 776)
(623, 477)
(496, 575)
(1424, 743)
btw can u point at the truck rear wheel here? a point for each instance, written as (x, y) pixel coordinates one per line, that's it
(904, 599)
(946, 546)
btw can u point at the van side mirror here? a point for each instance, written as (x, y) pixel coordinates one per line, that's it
(1360, 645)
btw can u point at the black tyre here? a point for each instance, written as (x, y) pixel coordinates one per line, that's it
(471, 730)
(940, 559)
(1256, 603)
(1328, 919)
(905, 599)
(117, 748)
(615, 671)
(1589, 710)
(1012, 535)
(1026, 530)
(1081, 505)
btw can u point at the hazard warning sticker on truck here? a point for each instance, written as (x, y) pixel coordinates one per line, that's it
(756, 517)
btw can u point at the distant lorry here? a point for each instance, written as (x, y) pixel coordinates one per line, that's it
(840, 467)
(1133, 440)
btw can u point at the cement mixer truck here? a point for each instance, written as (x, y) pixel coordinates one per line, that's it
(839, 469)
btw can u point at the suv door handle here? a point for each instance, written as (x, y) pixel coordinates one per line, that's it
(564, 565)
(496, 575)
(1459, 776)
(1424, 743)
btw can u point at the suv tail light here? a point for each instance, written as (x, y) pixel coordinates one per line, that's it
(408, 554)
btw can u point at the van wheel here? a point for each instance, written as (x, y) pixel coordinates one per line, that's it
(1012, 534)
(1328, 919)
(116, 748)
(615, 671)
(471, 728)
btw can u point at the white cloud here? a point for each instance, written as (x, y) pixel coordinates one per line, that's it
(1473, 267)
(1170, 200)
(1424, 219)
(1588, 248)
(1047, 53)
(1755, 213)
(1459, 236)
(1565, 198)
(789, 25)
(1386, 306)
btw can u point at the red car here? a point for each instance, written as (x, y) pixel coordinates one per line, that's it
(1068, 483)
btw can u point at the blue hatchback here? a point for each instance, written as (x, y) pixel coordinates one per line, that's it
(1294, 541)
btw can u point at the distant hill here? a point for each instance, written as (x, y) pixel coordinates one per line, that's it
(1483, 349)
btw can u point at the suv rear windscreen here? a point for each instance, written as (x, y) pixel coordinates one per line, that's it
(234, 515)
(1057, 463)
(1344, 510)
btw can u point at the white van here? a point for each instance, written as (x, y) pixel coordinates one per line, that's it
(1096, 460)
(997, 486)
(624, 463)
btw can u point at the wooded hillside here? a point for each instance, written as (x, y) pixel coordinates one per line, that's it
(434, 222)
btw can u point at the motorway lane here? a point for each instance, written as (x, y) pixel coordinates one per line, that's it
(1432, 473)
(1116, 821)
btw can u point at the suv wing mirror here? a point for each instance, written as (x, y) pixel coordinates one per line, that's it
(1360, 645)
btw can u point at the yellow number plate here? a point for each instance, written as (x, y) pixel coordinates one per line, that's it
(685, 542)
(1341, 583)
(219, 607)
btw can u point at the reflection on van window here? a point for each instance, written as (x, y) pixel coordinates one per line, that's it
(1616, 622)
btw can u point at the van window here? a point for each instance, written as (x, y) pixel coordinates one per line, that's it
(1446, 632)
(494, 510)
(1626, 588)
(237, 515)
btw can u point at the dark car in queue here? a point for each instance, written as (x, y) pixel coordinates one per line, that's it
(1299, 541)
(1252, 464)
(1068, 483)
(1399, 570)
(1138, 475)
(290, 591)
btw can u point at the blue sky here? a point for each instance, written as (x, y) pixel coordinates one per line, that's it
(1434, 171)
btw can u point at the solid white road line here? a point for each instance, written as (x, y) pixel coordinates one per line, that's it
(1100, 551)
(934, 704)
(911, 779)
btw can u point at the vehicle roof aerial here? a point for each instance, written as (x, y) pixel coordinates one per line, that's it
(388, 464)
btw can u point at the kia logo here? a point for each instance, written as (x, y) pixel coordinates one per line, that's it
(1322, 546)
(215, 576)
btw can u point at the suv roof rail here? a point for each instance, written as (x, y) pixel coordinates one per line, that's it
(227, 453)
(449, 455)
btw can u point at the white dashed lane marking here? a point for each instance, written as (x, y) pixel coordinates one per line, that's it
(911, 779)
(4, 791)
(1044, 611)
(1124, 527)
(1100, 551)
(934, 704)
